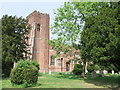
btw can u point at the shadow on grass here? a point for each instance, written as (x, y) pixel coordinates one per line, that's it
(111, 81)
(40, 74)
(35, 85)
(24, 85)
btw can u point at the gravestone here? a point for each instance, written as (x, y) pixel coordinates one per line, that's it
(105, 71)
(112, 72)
(93, 74)
(101, 73)
(97, 71)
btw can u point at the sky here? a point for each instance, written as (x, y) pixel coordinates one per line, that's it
(25, 8)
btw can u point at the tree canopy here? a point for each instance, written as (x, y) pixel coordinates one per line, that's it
(100, 37)
(14, 31)
(91, 27)
(14, 34)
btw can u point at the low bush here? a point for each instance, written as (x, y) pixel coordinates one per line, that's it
(25, 72)
(35, 64)
(77, 69)
(92, 67)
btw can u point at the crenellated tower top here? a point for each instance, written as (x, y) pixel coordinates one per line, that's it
(36, 13)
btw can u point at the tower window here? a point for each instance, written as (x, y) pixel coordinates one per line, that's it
(38, 27)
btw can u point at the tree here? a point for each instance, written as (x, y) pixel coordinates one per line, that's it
(70, 20)
(100, 37)
(14, 34)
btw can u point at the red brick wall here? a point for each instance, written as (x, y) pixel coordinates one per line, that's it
(56, 67)
(40, 48)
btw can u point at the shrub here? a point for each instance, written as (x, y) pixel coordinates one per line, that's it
(77, 69)
(25, 72)
(92, 67)
(35, 64)
(60, 73)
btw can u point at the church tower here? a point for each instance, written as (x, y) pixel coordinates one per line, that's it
(38, 39)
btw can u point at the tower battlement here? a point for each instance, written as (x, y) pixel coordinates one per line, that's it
(37, 13)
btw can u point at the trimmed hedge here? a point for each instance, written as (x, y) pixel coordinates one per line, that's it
(25, 72)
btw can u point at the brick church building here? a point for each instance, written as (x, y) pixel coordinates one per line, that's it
(39, 48)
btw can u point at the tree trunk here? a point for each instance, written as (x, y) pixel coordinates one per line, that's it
(14, 64)
(84, 69)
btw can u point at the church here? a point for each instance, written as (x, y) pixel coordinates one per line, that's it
(39, 48)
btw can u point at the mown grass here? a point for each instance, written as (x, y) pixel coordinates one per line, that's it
(63, 80)
(0, 83)
(109, 80)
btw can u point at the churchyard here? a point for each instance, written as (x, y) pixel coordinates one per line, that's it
(88, 35)
(68, 80)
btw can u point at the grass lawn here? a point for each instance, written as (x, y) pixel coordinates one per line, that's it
(0, 83)
(56, 80)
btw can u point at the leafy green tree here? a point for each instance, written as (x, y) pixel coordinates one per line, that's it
(14, 34)
(69, 22)
(100, 37)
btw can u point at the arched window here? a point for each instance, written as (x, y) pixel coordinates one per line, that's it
(38, 27)
(52, 60)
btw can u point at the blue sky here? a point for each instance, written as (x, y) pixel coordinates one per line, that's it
(25, 8)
